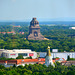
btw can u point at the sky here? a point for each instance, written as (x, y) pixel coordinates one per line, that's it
(42, 9)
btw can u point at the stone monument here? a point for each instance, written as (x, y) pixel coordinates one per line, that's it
(34, 31)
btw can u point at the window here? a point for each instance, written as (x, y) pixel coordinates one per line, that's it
(23, 54)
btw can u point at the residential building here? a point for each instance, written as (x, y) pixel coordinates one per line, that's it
(58, 54)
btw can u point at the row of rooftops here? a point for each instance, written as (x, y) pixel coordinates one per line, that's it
(37, 61)
(68, 63)
(8, 32)
(22, 61)
(17, 26)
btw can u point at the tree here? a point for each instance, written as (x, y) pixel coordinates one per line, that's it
(71, 50)
(14, 65)
(29, 57)
(20, 57)
(68, 58)
(71, 73)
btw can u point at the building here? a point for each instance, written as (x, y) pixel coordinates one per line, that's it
(72, 28)
(59, 60)
(12, 32)
(21, 32)
(18, 62)
(48, 59)
(34, 31)
(16, 52)
(58, 54)
(68, 63)
(17, 26)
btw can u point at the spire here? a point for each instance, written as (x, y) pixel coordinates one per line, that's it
(48, 52)
(48, 59)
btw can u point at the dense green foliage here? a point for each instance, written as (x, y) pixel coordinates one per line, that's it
(3, 58)
(29, 57)
(68, 58)
(20, 57)
(37, 70)
(58, 38)
(72, 59)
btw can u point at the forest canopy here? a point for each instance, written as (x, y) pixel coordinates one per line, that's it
(37, 69)
(60, 37)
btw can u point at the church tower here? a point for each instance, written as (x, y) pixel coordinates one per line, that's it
(48, 59)
(34, 31)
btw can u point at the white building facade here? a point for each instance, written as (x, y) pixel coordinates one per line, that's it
(59, 54)
(16, 52)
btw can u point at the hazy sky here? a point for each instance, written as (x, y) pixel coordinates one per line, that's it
(45, 9)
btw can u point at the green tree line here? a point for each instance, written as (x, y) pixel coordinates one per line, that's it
(38, 69)
(57, 35)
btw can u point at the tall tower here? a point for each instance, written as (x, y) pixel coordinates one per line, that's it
(48, 59)
(34, 31)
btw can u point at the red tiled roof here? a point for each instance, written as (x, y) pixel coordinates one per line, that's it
(2, 61)
(26, 60)
(41, 59)
(53, 61)
(3, 32)
(10, 32)
(16, 26)
(7, 32)
(56, 58)
(63, 61)
(41, 62)
(19, 61)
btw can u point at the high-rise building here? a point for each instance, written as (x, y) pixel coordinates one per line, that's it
(34, 31)
(48, 59)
